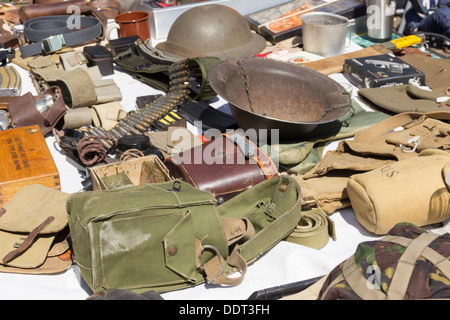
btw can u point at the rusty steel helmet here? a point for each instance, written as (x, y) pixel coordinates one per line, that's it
(296, 101)
(211, 30)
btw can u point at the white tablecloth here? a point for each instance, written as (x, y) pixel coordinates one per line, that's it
(285, 263)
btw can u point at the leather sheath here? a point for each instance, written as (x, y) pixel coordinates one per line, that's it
(225, 166)
(23, 110)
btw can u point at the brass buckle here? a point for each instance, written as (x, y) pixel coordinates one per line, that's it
(53, 43)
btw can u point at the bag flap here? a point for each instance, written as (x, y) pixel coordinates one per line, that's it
(30, 206)
(273, 207)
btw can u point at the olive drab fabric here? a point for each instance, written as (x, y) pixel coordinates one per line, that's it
(407, 264)
(168, 236)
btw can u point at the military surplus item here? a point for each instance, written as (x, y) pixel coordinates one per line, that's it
(225, 166)
(173, 118)
(151, 66)
(192, 240)
(264, 94)
(107, 115)
(126, 173)
(25, 159)
(437, 71)
(283, 290)
(10, 81)
(382, 144)
(123, 294)
(313, 230)
(101, 57)
(407, 264)
(33, 232)
(140, 121)
(212, 30)
(46, 110)
(51, 33)
(381, 198)
(4, 120)
(120, 45)
(208, 116)
(77, 86)
(335, 64)
(404, 98)
(381, 71)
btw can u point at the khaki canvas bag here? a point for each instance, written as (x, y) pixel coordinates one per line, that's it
(33, 232)
(168, 236)
(411, 190)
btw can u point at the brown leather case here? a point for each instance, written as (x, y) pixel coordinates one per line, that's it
(23, 110)
(225, 166)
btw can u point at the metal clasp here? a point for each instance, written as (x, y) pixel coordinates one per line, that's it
(53, 43)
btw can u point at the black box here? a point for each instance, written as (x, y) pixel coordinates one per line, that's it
(381, 71)
(101, 57)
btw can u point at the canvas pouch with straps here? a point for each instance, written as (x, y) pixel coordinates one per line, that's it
(33, 232)
(411, 190)
(399, 137)
(408, 263)
(168, 236)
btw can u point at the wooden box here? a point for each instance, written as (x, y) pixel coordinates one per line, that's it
(25, 159)
(135, 172)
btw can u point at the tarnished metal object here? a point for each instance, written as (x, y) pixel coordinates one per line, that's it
(212, 30)
(269, 94)
(140, 121)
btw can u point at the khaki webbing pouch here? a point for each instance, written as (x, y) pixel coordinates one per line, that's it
(33, 231)
(411, 190)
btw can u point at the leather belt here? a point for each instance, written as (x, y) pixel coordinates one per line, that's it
(51, 33)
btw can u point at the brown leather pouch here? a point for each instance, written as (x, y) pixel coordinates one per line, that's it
(225, 166)
(28, 110)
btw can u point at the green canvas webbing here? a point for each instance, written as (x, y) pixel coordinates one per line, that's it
(150, 68)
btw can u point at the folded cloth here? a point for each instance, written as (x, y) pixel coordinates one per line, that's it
(405, 98)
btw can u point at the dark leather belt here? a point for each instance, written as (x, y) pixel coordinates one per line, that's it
(51, 33)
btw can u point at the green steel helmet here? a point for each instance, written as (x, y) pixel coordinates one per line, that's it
(211, 30)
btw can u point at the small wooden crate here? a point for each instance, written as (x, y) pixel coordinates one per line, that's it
(25, 159)
(135, 172)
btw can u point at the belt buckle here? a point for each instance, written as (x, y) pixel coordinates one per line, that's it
(53, 43)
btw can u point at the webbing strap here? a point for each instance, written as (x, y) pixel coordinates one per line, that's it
(313, 230)
(236, 231)
(405, 266)
(438, 260)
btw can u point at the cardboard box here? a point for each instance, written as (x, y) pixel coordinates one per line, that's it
(25, 159)
(135, 172)
(381, 71)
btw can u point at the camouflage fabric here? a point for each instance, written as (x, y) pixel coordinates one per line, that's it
(409, 263)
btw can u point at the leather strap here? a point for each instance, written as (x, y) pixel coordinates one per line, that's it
(51, 33)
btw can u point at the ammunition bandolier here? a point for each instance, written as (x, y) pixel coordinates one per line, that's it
(167, 74)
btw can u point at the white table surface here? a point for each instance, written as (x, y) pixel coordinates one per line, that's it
(285, 263)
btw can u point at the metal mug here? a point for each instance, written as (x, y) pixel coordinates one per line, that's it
(129, 24)
(324, 33)
(380, 19)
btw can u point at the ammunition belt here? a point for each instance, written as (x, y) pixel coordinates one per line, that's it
(141, 120)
